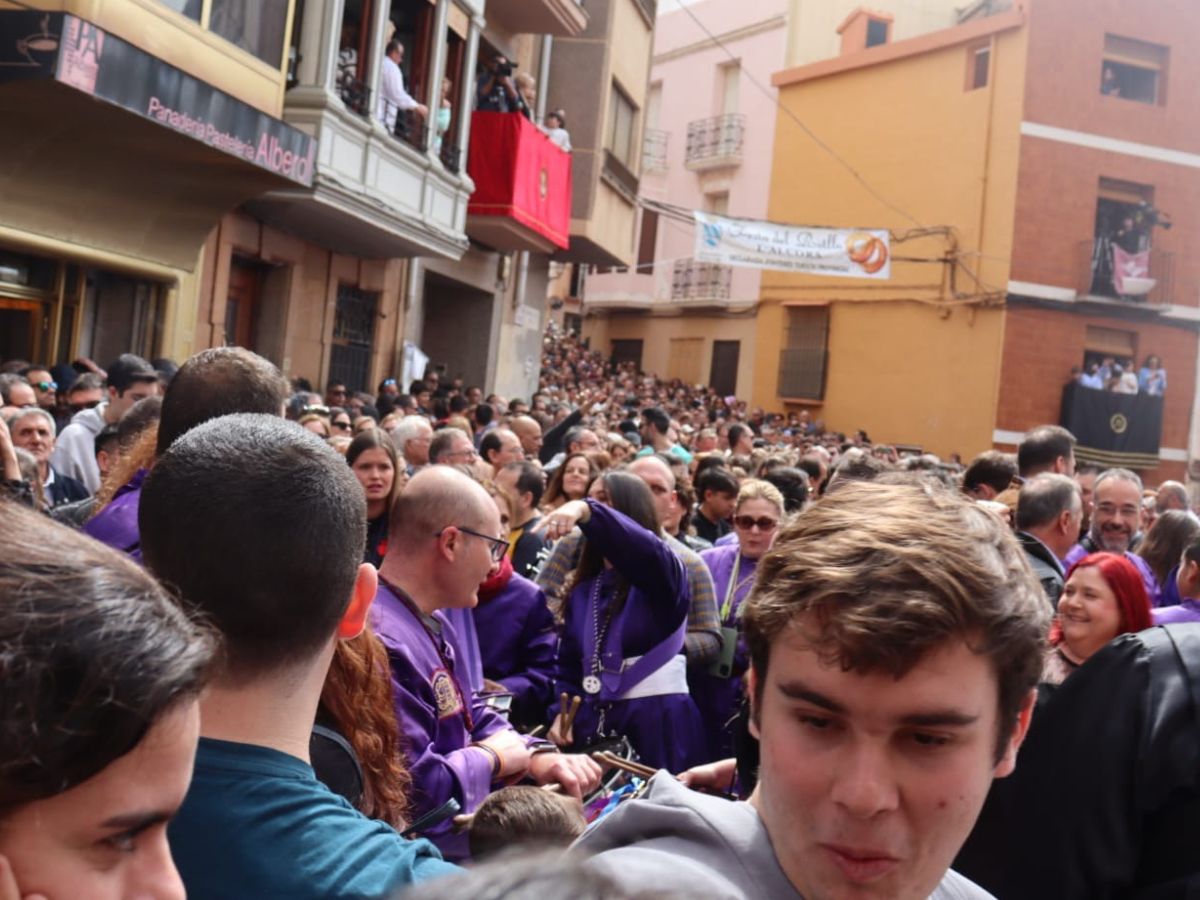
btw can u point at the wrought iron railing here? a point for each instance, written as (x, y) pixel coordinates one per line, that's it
(718, 138)
(654, 150)
(693, 280)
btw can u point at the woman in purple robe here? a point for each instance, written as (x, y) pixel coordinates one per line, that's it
(717, 690)
(624, 622)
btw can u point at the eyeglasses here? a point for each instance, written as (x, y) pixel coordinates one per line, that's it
(46, 385)
(764, 523)
(499, 547)
(389, 382)
(469, 453)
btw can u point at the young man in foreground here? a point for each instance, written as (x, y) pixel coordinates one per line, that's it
(896, 636)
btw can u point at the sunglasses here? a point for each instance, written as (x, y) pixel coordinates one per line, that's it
(764, 523)
(46, 385)
(498, 548)
(91, 404)
(319, 410)
(341, 424)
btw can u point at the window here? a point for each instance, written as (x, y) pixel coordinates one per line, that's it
(877, 31)
(802, 360)
(647, 241)
(979, 60)
(1133, 70)
(717, 204)
(353, 336)
(258, 28)
(189, 8)
(622, 125)
(730, 81)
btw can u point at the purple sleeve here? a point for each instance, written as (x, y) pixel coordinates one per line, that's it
(640, 556)
(540, 642)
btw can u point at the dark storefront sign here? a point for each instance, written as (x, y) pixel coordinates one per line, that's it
(74, 52)
(1113, 429)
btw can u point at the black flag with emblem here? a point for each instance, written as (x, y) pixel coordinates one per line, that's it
(1113, 429)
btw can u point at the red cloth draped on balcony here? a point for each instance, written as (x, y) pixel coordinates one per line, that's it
(520, 173)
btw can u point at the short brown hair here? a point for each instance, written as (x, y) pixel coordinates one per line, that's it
(524, 815)
(886, 573)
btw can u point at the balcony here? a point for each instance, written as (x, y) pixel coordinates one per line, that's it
(1145, 281)
(374, 194)
(628, 290)
(561, 18)
(700, 284)
(654, 150)
(715, 143)
(522, 198)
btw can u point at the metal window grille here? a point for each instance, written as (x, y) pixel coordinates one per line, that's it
(692, 280)
(353, 336)
(802, 360)
(716, 138)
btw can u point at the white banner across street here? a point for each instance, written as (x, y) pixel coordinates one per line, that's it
(845, 252)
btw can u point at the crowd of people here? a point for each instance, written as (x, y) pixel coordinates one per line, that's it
(1123, 377)
(276, 642)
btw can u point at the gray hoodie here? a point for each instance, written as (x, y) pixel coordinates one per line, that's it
(704, 846)
(75, 448)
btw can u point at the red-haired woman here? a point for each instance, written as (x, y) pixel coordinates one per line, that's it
(1104, 596)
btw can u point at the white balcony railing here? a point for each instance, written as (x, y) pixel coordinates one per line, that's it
(716, 141)
(704, 282)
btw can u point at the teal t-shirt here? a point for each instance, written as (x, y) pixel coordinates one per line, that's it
(257, 823)
(674, 449)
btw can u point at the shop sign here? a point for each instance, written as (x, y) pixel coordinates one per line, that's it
(83, 56)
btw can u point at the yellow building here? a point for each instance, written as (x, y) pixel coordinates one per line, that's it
(130, 129)
(925, 152)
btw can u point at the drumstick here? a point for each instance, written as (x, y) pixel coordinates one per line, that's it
(537, 731)
(615, 762)
(576, 702)
(563, 700)
(553, 787)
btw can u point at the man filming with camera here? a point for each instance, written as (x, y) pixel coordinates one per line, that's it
(496, 91)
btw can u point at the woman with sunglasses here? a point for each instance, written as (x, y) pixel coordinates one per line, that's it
(717, 690)
(339, 421)
(624, 621)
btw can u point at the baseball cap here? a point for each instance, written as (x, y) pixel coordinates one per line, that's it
(129, 369)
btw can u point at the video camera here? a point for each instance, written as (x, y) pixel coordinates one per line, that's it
(503, 69)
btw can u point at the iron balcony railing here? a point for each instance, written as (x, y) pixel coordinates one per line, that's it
(654, 150)
(693, 280)
(719, 138)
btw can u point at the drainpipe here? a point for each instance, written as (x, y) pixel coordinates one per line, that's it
(544, 77)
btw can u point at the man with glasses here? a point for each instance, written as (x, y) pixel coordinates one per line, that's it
(45, 388)
(1116, 517)
(445, 540)
(335, 394)
(451, 447)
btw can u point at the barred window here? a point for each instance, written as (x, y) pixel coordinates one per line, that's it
(802, 359)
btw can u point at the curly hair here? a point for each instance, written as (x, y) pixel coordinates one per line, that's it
(357, 696)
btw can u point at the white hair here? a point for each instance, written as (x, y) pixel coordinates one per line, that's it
(26, 411)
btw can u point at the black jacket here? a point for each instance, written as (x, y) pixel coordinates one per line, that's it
(1105, 799)
(1046, 566)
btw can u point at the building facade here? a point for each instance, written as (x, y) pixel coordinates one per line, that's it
(1004, 161)
(707, 145)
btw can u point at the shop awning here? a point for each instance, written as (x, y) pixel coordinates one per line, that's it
(108, 146)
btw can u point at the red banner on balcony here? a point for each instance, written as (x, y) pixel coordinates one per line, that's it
(520, 173)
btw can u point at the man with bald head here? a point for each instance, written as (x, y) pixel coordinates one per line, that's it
(529, 433)
(1172, 495)
(446, 538)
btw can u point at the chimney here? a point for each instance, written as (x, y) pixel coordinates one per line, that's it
(863, 28)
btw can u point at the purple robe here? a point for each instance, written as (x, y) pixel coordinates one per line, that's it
(117, 524)
(438, 717)
(1079, 551)
(519, 645)
(718, 698)
(664, 729)
(1172, 607)
(465, 638)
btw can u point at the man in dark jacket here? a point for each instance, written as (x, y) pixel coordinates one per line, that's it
(1105, 800)
(1049, 516)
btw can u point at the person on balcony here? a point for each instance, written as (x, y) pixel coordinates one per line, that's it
(556, 129)
(1152, 378)
(496, 91)
(392, 96)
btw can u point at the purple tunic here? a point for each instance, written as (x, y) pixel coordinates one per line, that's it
(718, 698)
(1079, 551)
(664, 728)
(438, 717)
(465, 638)
(1185, 611)
(117, 524)
(519, 644)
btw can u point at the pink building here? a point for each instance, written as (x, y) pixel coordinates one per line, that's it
(709, 130)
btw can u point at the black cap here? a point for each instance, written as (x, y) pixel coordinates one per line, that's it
(129, 369)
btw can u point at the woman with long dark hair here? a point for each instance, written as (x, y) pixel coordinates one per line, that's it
(1104, 597)
(624, 622)
(373, 458)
